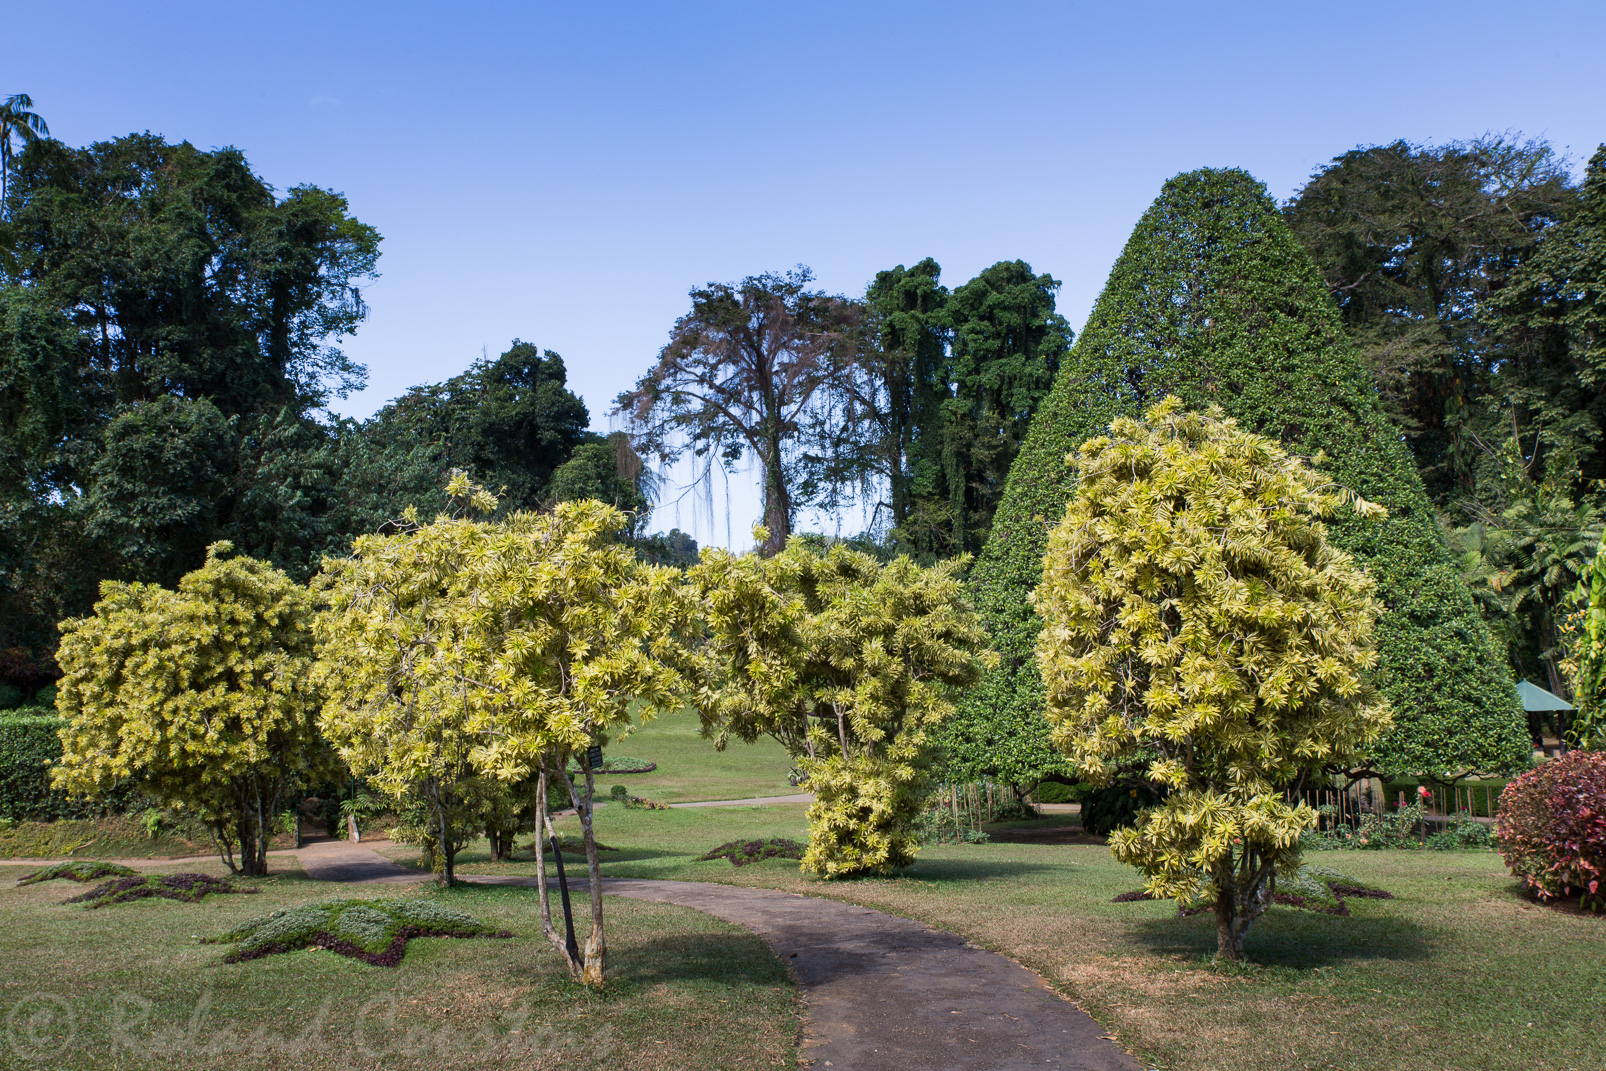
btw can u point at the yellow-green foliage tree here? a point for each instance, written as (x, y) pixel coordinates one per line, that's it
(202, 697)
(463, 652)
(850, 664)
(1195, 611)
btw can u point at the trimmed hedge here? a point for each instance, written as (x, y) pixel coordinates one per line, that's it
(30, 745)
(1214, 300)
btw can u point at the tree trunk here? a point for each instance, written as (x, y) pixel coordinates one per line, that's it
(1239, 902)
(777, 502)
(596, 950)
(544, 823)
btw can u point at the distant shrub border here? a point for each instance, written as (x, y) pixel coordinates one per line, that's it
(1551, 829)
(80, 870)
(188, 888)
(373, 931)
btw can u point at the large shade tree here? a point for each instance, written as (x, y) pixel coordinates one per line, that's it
(1215, 301)
(166, 341)
(747, 373)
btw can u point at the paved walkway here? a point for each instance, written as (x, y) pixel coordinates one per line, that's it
(883, 993)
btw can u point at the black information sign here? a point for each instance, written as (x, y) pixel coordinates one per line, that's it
(594, 757)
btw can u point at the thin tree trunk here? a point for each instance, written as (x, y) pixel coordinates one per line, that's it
(596, 950)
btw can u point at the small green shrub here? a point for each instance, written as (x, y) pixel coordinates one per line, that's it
(1552, 828)
(188, 888)
(373, 931)
(743, 852)
(1054, 792)
(618, 793)
(79, 870)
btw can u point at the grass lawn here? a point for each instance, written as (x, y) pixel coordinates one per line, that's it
(690, 769)
(1457, 972)
(128, 986)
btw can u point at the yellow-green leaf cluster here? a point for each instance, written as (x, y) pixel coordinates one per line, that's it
(1195, 611)
(465, 648)
(848, 662)
(204, 696)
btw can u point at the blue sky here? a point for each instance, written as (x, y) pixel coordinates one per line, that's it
(564, 173)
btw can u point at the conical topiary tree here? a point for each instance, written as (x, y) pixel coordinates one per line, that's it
(1214, 300)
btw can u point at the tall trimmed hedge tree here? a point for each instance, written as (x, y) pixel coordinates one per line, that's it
(1215, 301)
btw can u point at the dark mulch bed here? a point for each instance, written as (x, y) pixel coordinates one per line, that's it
(187, 888)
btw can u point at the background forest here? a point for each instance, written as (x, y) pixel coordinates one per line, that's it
(171, 330)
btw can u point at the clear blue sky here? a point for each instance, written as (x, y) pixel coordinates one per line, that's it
(564, 173)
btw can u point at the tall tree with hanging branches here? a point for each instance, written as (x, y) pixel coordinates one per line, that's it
(745, 374)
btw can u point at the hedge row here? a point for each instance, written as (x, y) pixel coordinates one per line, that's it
(29, 747)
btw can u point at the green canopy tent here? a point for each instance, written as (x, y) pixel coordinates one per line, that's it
(1537, 700)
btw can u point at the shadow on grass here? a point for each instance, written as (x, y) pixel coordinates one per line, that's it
(927, 869)
(1286, 937)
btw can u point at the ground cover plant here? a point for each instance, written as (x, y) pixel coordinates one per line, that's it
(743, 852)
(80, 870)
(188, 888)
(136, 989)
(373, 931)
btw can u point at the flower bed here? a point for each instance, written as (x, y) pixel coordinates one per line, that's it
(373, 931)
(79, 870)
(188, 888)
(743, 852)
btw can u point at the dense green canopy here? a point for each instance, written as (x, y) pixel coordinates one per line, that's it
(1213, 300)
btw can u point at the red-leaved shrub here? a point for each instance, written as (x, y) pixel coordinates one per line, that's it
(1552, 828)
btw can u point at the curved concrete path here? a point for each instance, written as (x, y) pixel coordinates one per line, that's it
(883, 993)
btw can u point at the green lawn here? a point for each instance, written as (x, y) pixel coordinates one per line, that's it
(1457, 972)
(690, 769)
(129, 986)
